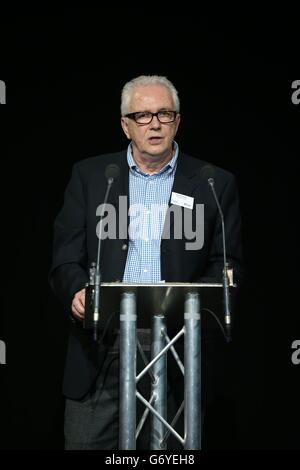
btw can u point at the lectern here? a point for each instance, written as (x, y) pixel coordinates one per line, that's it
(160, 307)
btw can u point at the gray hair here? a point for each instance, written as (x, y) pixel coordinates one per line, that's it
(145, 80)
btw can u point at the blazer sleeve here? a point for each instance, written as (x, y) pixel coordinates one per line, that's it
(68, 271)
(229, 202)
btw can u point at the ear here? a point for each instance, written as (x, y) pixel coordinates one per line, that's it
(124, 125)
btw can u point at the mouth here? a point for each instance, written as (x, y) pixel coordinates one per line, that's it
(155, 140)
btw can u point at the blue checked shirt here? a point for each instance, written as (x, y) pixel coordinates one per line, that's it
(149, 197)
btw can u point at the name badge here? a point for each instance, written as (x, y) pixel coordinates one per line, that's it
(182, 200)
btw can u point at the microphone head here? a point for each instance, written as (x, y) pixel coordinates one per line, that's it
(112, 171)
(207, 172)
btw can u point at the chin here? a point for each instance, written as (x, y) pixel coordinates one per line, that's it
(157, 149)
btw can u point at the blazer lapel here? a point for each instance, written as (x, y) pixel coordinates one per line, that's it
(186, 174)
(185, 181)
(121, 188)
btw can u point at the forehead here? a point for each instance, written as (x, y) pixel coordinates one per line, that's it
(151, 98)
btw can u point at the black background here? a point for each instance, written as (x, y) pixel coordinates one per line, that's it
(64, 71)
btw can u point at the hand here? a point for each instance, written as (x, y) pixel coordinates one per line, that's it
(78, 304)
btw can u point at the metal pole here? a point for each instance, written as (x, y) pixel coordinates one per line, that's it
(127, 351)
(159, 387)
(192, 370)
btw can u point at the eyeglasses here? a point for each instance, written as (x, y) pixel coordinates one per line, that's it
(146, 117)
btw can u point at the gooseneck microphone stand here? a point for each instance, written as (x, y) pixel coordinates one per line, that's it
(227, 310)
(112, 172)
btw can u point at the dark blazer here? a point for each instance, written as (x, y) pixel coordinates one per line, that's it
(75, 245)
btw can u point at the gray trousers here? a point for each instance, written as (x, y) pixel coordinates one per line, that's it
(93, 422)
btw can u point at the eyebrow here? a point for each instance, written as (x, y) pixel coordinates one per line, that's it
(160, 109)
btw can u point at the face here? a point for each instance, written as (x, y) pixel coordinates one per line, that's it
(154, 140)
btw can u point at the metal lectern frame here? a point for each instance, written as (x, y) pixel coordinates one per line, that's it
(188, 297)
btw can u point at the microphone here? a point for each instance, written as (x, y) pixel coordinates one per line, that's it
(208, 173)
(112, 172)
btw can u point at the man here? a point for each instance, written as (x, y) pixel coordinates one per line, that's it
(153, 173)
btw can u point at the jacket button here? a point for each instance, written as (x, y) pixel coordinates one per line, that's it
(124, 247)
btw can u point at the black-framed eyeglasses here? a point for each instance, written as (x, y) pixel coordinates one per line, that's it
(146, 117)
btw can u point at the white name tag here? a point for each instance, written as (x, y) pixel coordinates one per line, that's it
(182, 200)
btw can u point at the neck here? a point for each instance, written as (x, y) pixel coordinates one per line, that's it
(152, 164)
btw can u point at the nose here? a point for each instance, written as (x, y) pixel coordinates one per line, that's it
(155, 123)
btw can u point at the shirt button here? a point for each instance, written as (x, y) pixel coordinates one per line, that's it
(145, 270)
(124, 247)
